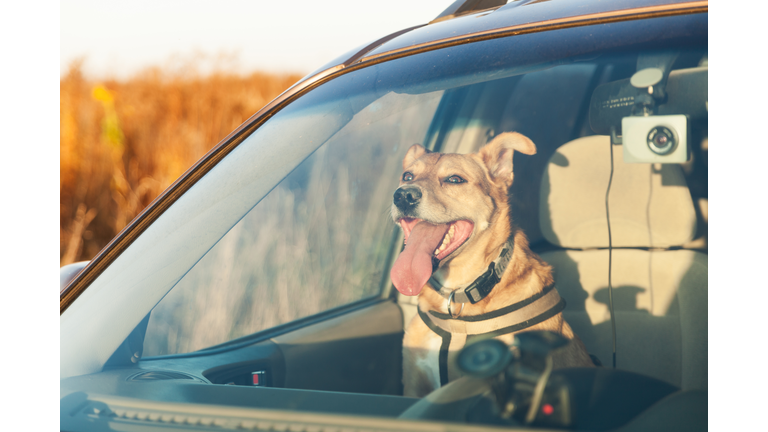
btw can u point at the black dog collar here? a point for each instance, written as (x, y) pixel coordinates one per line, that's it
(481, 286)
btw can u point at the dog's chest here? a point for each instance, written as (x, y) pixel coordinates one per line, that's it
(427, 355)
(426, 358)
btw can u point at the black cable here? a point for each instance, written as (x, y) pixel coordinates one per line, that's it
(610, 248)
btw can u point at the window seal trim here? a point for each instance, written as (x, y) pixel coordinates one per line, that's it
(278, 330)
(632, 14)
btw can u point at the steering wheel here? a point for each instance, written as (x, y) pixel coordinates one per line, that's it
(499, 380)
(516, 386)
(458, 401)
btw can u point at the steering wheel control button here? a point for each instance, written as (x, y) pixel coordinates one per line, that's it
(259, 378)
(484, 359)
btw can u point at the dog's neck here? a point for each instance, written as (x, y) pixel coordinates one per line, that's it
(461, 272)
(473, 261)
(524, 276)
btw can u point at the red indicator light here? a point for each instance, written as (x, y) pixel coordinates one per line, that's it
(547, 409)
(260, 378)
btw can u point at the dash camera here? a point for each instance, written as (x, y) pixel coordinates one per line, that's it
(655, 139)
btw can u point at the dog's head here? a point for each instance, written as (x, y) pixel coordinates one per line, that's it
(452, 204)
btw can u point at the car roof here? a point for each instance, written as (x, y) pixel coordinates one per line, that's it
(467, 21)
(515, 13)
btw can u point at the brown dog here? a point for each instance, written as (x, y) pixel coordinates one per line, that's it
(481, 278)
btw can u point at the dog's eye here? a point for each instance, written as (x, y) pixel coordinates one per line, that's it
(455, 179)
(407, 176)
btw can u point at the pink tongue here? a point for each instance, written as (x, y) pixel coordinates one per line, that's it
(413, 267)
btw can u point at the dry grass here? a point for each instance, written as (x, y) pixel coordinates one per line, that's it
(124, 142)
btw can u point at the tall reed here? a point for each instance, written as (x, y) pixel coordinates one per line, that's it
(124, 142)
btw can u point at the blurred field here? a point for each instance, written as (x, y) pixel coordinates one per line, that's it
(123, 142)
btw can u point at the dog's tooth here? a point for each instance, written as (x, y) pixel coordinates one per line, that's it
(441, 248)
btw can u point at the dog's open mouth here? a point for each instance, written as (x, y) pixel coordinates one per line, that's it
(423, 242)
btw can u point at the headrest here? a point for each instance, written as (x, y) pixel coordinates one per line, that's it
(650, 204)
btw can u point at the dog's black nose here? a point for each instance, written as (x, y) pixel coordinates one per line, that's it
(407, 197)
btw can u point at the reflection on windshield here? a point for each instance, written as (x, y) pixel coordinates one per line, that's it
(322, 237)
(319, 240)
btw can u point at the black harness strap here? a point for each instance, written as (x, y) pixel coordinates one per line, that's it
(499, 312)
(524, 325)
(443, 356)
(446, 336)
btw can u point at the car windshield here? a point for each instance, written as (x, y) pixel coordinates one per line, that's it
(295, 226)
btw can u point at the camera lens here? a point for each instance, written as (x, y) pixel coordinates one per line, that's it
(661, 140)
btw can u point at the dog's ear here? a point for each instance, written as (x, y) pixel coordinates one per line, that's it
(497, 154)
(415, 152)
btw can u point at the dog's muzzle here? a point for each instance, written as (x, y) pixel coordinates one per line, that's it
(407, 197)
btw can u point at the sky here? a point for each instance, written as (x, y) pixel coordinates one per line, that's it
(116, 39)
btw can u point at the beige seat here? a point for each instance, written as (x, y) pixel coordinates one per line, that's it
(660, 295)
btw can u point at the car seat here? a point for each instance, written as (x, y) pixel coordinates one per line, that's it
(659, 289)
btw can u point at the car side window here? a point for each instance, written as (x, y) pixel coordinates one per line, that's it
(320, 239)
